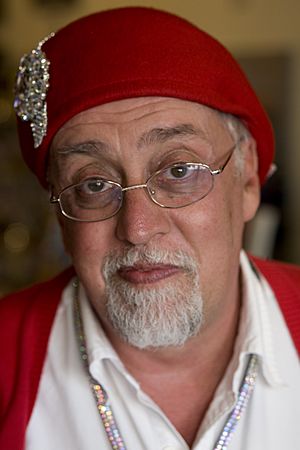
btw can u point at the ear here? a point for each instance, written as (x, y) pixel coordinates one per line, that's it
(250, 179)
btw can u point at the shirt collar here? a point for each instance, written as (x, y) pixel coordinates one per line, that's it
(255, 329)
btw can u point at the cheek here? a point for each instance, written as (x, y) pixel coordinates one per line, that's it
(213, 229)
(215, 223)
(87, 244)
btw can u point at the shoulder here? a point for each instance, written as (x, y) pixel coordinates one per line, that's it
(38, 296)
(284, 280)
(273, 269)
(27, 315)
(26, 319)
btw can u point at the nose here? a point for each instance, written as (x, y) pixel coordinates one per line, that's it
(140, 220)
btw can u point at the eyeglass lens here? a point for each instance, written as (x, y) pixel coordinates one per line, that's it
(180, 185)
(172, 187)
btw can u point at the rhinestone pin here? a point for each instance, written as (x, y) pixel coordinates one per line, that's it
(32, 83)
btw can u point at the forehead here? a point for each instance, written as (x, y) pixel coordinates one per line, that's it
(130, 115)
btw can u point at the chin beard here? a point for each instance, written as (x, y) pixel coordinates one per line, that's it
(154, 317)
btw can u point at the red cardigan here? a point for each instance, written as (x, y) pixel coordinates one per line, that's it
(26, 321)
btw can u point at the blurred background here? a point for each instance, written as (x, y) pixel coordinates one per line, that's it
(264, 35)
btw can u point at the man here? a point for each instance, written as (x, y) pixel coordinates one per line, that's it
(164, 335)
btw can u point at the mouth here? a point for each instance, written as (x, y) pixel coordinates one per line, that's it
(147, 274)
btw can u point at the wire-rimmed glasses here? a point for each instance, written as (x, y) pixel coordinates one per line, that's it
(174, 186)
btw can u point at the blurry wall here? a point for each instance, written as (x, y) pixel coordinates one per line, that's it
(264, 36)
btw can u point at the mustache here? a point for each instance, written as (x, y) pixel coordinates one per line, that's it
(130, 257)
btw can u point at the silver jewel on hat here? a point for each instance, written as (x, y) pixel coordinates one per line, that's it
(31, 88)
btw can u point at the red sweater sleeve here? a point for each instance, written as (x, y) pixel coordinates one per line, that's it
(26, 319)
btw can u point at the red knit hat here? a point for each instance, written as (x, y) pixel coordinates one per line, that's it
(125, 53)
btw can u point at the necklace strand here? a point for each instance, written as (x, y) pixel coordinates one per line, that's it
(245, 392)
(105, 410)
(100, 395)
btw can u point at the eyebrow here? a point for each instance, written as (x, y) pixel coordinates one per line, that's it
(153, 136)
(161, 135)
(92, 147)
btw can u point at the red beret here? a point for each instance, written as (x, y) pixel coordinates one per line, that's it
(134, 52)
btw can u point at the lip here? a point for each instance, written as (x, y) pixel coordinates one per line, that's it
(147, 274)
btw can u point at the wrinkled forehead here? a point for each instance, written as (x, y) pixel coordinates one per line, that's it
(142, 120)
(147, 109)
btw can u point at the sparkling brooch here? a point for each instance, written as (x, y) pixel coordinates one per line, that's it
(31, 88)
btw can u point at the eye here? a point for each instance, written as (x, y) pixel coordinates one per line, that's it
(178, 171)
(93, 193)
(181, 178)
(94, 186)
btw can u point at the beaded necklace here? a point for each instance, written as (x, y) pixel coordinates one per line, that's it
(105, 410)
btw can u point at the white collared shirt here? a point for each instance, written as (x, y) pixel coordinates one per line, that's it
(65, 416)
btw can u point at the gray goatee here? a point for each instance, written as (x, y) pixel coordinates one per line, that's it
(153, 317)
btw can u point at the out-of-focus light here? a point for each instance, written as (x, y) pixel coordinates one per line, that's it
(16, 237)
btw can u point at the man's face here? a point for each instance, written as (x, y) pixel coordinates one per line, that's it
(186, 258)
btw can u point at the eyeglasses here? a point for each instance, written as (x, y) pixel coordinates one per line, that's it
(174, 186)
